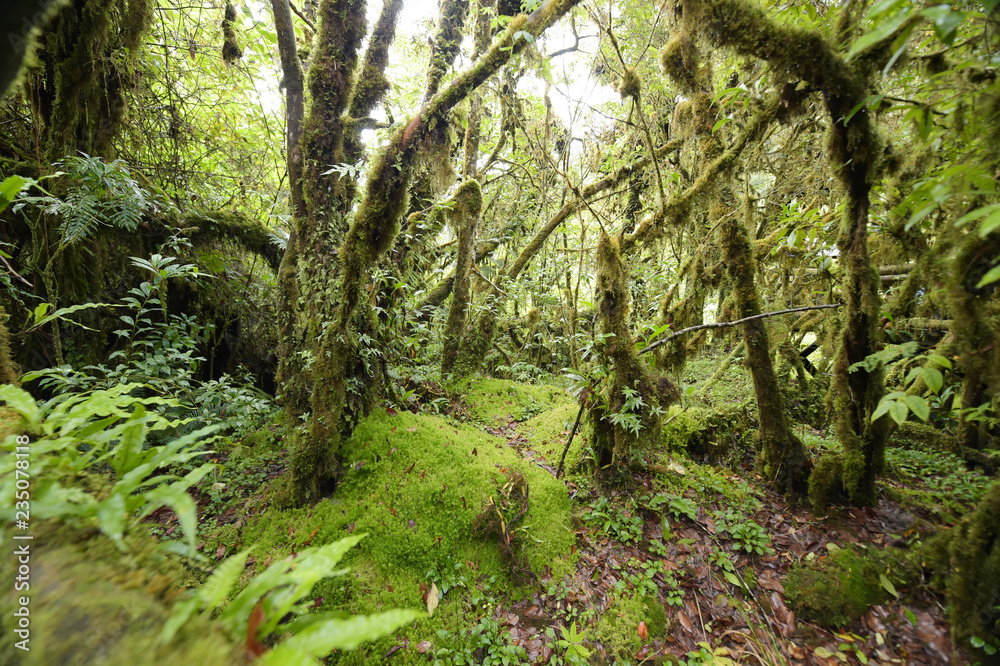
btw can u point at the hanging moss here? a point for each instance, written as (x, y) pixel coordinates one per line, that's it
(231, 49)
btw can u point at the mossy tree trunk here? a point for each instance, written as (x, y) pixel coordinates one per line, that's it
(614, 443)
(468, 201)
(291, 382)
(8, 372)
(372, 227)
(977, 338)
(853, 146)
(781, 456)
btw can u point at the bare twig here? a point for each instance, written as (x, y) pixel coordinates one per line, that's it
(302, 16)
(724, 324)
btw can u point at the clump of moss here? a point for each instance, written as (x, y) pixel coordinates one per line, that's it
(231, 49)
(966, 560)
(679, 60)
(490, 400)
(618, 628)
(838, 589)
(705, 432)
(630, 85)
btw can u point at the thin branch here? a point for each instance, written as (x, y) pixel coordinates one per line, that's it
(487, 280)
(725, 324)
(302, 16)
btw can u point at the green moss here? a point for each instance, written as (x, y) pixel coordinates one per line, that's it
(492, 400)
(618, 628)
(835, 590)
(438, 475)
(92, 604)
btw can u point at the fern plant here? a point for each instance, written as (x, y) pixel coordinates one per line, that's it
(277, 593)
(80, 434)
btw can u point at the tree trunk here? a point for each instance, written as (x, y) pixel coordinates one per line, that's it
(781, 456)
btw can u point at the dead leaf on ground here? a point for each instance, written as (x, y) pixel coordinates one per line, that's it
(432, 598)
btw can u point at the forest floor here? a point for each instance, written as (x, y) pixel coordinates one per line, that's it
(692, 563)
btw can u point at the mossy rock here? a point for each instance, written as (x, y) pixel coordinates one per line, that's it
(706, 433)
(912, 435)
(492, 400)
(91, 604)
(836, 590)
(415, 484)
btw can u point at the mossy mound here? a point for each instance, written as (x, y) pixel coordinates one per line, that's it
(490, 400)
(617, 629)
(415, 483)
(706, 432)
(839, 589)
(91, 604)
(549, 431)
(966, 560)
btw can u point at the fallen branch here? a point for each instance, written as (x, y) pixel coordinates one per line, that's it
(724, 324)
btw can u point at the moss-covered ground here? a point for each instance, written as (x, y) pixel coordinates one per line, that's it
(693, 551)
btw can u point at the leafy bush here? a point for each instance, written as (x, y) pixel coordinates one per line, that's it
(100, 431)
(262, 608)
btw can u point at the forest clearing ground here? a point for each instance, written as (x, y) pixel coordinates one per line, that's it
(699, 588)
(672, 554)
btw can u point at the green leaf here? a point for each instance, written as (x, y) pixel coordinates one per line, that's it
(10, 188)
(883, 406)
(910, 616)
(216, 589)
(918, 406)
(990, 224)
(322, 638)
(823, 653)
(976, 214)
(111, 515)
(898, 411)
(991, 276)
(731, 577)
(887, 585)
(177, 499)
(946, 21)
(933, 378)
(882, 31)
(940, 360)
(21, 402)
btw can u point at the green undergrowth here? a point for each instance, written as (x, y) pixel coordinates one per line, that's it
(490, 400)
(708, 432)
(94, 604)
(837, 589)
(415, 483)
(617, 628)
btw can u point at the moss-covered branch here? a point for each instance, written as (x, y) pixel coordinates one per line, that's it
(236, 228)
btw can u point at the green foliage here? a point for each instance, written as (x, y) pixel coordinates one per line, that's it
(621, 524)
(486, 643)
(80, 434)
(571, 645)
(101, 194)
(279, 591)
